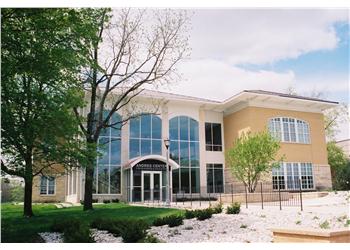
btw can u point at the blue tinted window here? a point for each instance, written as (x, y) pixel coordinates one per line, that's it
(184, 149)
(194, 152)
(115, 151)
(104, 131)
(184, 154)
(193, 130)
(145, 147)
(104, 150)
(146, 126)
(174, 129)
(156, 127)
(156, 147)
(184, 128)
(135, 128)
(149, 138)
(134, 148)
(174, 151)
(115, 125)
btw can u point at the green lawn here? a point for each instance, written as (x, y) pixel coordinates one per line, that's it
(16, 228)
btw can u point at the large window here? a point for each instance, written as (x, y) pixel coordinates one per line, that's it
(145, 136)
(215, 178)
(288, 176)
(184, 149)
(289, 130)
(107, 174)
(213, 140)
(47, 185)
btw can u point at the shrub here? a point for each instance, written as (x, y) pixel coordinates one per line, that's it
(134, 231)
(115, 200)
(94, 200)
(74, 231)
(217, 209)
(324, 225)
(171, 221)
(113, 226)
(189, 214)
(106, 201)
(234, 208)
(204, 214)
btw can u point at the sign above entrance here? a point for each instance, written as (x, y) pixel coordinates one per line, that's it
(150, 165)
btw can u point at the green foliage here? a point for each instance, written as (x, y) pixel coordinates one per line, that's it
(252, 156)
(42, 54)
(189, 214)
(325, 225)
(217, 209)
(74, 230)
(340, 167)
(134, 231)
(243, 226)
(203, 214)
(171, 220)
(234, 208)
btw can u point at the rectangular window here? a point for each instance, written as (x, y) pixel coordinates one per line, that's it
(47, 185)
(215, 178)
(213, 139)
(293, 173)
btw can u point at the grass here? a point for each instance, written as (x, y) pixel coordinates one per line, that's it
(16, 228)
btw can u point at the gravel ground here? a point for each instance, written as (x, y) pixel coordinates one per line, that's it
(49, 237)
(254, 224)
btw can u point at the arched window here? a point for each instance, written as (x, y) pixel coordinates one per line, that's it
(184, 149)
(288, 129)
(145, 136)
(107, 175)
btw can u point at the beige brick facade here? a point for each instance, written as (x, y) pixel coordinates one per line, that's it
(58, 196)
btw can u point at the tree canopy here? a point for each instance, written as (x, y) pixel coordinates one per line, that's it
(43, 52)
(251, 156)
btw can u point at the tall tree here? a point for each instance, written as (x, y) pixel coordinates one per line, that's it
(252, 156)
(337, 160)
(42, 53)
(136, 48)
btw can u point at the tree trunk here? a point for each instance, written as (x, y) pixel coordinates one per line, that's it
(89, 177)
(28, 187)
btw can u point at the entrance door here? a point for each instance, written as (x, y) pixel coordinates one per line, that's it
(151, 186)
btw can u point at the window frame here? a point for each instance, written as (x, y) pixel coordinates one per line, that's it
(177, 142)
(294, 185)
(213, 167)
(151, 139)
(210, 146)
(280, 135)
(110, 138)
(47, 185)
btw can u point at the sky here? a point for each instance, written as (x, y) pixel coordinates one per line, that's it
(268, 49)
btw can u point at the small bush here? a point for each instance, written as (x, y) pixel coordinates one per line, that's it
(106, 201)
(325, 225)
(204, 214)
(171, 221)
(94, 200)
(234, 208)
(115, 200)
(114, 226)
(217, 209)
(189, 214)
(134, 231)
(74, 231)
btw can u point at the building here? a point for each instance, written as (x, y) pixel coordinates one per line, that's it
(345, 145)
(133, 167)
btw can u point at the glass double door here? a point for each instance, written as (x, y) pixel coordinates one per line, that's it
(151, 186)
